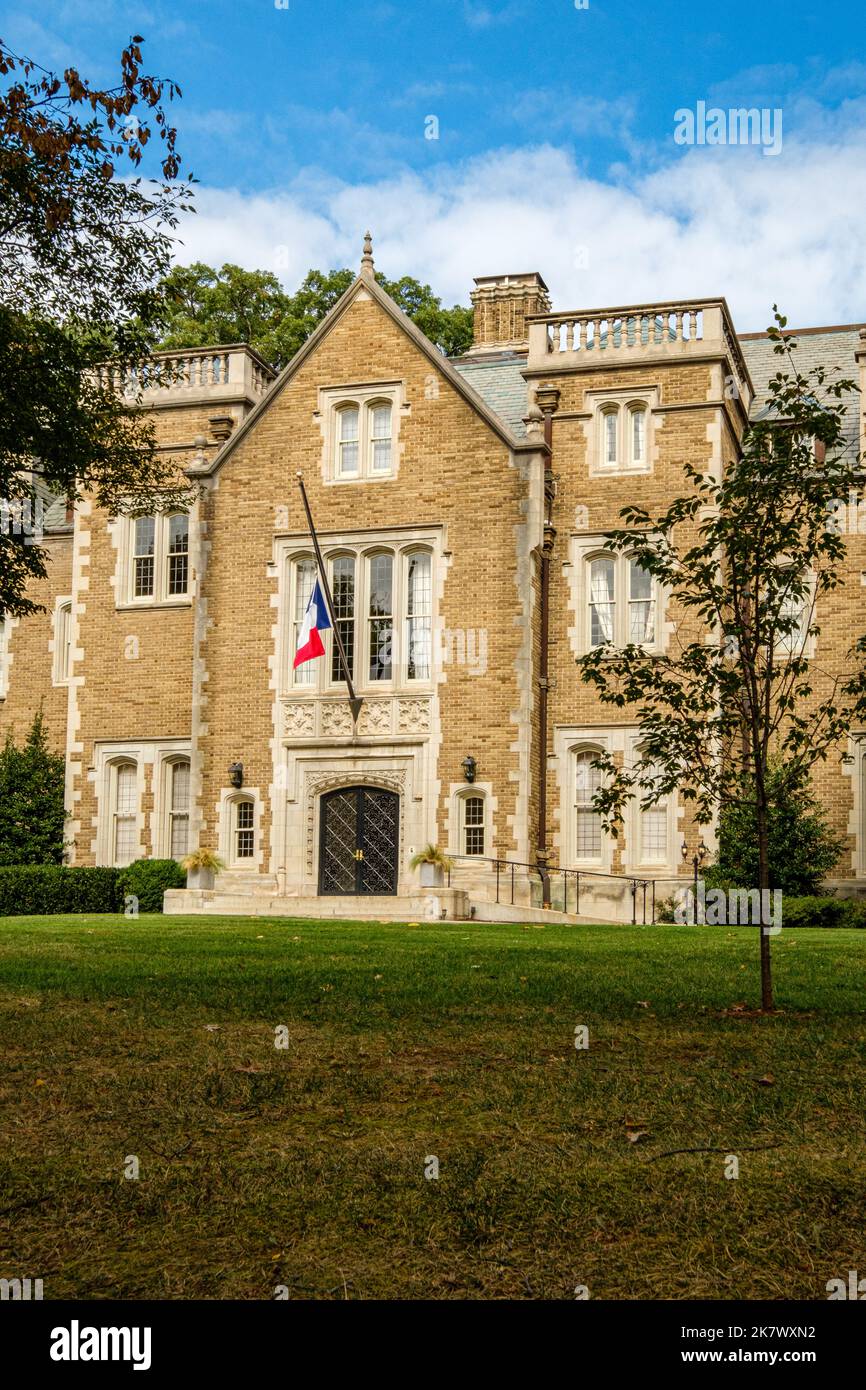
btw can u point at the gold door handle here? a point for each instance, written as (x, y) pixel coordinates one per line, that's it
(359, 854)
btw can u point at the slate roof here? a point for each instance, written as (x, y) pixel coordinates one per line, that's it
(832, 348)
(54, 508)
(500, 385)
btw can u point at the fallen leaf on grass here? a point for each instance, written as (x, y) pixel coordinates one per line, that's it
(767, 1080)
(634, 1136)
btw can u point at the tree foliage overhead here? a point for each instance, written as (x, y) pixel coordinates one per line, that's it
(744, 561)
(231, 305)
(31, 800)
(82, 254)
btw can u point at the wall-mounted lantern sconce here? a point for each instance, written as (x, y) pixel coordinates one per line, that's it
(236, 774)
(468, 766)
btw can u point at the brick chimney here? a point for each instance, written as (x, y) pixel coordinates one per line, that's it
(501, 304)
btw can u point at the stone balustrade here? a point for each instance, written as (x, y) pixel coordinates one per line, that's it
(590, 337)
(194, 374)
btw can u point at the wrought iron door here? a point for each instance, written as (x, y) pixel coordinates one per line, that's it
(359, 841)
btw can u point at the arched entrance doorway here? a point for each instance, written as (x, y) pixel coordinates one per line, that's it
(359, 841)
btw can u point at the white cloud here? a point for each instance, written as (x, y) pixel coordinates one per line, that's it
(707, 221)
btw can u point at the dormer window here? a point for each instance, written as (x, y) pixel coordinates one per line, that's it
(360, 425)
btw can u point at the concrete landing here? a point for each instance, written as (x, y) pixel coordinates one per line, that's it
(428, 904)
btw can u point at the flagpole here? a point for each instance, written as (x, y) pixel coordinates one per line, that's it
(355, 702)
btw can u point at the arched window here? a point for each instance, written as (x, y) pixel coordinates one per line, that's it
(641, 605)
(243, 829)
(347, 441)
(382, 607)
(654, 827)
(125, 813)
(178, 814)
(303, 580)
(380, 437)
(62, 641)
(472, 825)
(344, 598)
(587, 820)
(143, 557)
(419, 610)
(177, 558)
(602, 600)
(159, 569)
(621, 432)
(610, 437)
(380, 584)
(795, 614)
(610, 577)
(637, 435)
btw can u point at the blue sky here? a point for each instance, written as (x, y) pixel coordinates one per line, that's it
(555, 145)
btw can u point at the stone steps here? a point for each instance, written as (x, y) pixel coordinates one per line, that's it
(431, 904)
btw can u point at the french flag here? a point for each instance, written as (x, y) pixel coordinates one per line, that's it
(316, 620)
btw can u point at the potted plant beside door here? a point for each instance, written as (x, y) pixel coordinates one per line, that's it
(202, 866)
(432, 864)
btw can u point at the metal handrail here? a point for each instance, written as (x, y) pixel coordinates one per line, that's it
(639, 883)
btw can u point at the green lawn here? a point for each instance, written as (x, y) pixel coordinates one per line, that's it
(305, 1167)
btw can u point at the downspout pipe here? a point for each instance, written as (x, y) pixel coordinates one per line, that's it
(547, 400)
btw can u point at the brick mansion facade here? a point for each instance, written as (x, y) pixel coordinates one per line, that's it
(461, 507)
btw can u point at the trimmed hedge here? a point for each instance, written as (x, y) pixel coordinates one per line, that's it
(823, 912)
(33, 890)
(38, 890)
(147, 880)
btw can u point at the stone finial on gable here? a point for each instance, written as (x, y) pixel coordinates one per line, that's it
(367, 258)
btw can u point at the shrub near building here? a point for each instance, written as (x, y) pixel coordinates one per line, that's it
(32, 813)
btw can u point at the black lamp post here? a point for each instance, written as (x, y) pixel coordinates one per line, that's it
(698, 858)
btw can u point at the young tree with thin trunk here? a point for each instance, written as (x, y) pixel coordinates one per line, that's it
(746, 701)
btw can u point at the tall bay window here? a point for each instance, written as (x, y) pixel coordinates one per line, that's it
(383, 611)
